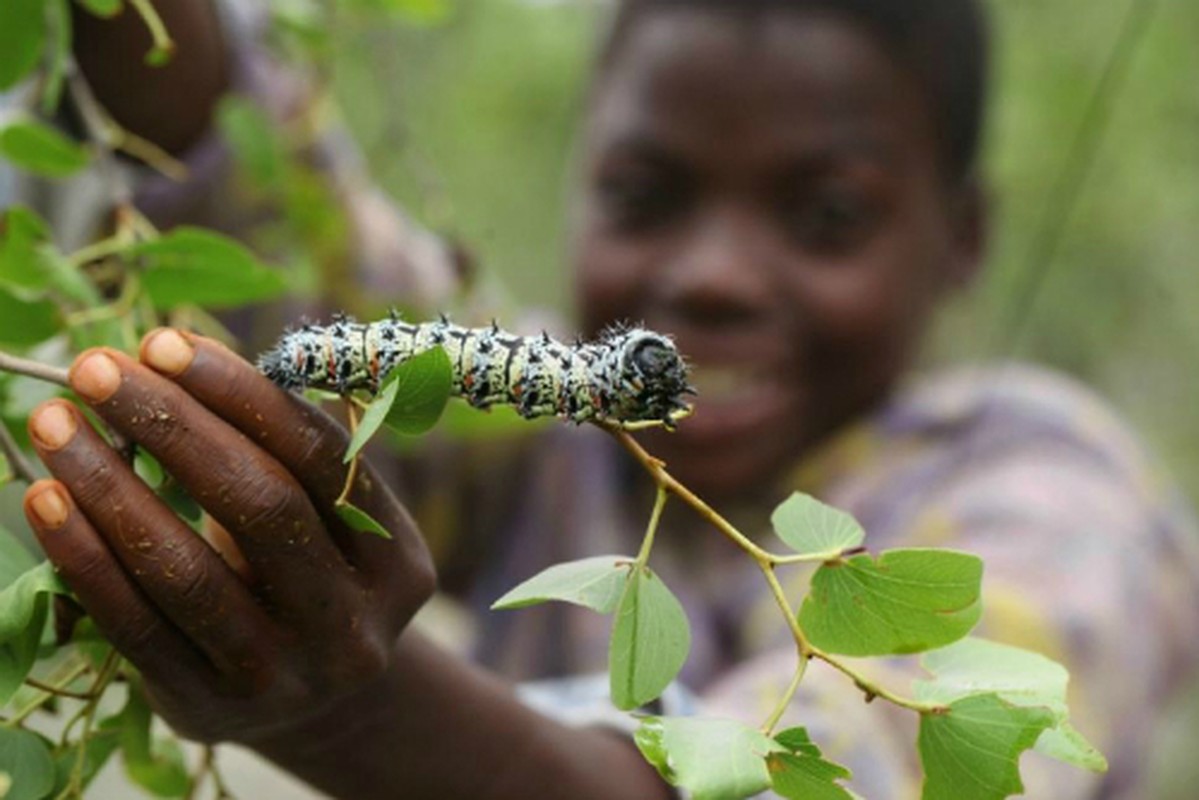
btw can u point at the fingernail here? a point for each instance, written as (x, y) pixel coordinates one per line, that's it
(53, 425)
(168, 352)
(49, 508)
(96, 377)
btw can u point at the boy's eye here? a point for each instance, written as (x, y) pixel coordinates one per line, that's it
(639, 199)
(831, 221)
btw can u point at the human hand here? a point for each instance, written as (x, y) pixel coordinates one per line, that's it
(224, 656)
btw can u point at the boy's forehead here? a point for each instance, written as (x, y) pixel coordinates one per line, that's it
(817, 81)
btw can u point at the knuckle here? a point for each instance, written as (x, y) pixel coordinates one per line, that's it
(261, 501)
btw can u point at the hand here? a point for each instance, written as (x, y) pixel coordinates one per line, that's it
(224, 656)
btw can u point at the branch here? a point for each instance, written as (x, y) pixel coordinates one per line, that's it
(21, 467)
(33, 369)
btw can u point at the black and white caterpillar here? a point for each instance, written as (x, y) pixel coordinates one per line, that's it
(628, 374)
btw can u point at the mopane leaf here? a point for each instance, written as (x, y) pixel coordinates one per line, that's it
(23, 609)
(1065, 743)
(650, 641)
(423, 385)
(251, 134)
(15, 558)
(155, 764)
(800, 776)
(797, 740)
(374, 416)
(22, 31)
(972, 750)
(190, 265)
(906, 601)
(38, 148)
(27, 762)
(25, 322)
(596, 583)
(812, 528)
(359, 520)
(22, 233)
(714, 759)
(1017, 676)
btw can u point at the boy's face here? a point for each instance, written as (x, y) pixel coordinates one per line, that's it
(769, 192)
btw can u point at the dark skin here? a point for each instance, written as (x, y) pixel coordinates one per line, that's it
(807, 231)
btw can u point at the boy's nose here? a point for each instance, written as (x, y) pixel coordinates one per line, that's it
(720, 274)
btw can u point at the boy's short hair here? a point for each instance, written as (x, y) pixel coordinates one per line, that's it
(942, 43)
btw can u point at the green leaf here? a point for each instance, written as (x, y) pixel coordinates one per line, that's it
(372, 419)
(423, 387)
(155, 764)
(812, 528)
(650, 641)
(24, 322)
(26, 760)
(359, 520)
(907, 601)
(21, 234)
(1019, 677)
(190, 265)
(102, 8)
(1066, 744)
(594, 583)
(801, 776)
(972, 750)
(23, 609)
(59, 23)
(38, 148)
(251, 135)
(977, 666)
(15, 558)
(797, 740)
(22, 31)
(714, 759)
(417, 12)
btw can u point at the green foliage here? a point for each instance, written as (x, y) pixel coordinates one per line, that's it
(972, 750)
(155, 764)
(24, 606)
(421, 389)
(650, 640)
(806, 775)
(22, 32)
(596, 583)
(359, 520)
(195, 266)
(102, 8)
(40, 149)
(814, 529)
(906, 601)
(714, 759)
(26, 322)
(25, 759)
(1017, 677)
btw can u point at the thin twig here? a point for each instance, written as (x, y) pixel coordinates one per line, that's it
(33, 369)
(21, 467)
(56, 690)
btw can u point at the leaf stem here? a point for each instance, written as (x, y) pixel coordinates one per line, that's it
(647, 544)
(26, 711)
(112, 662)
(353, 470)
(55, 690)
(162, 42)
(22, 469)
(33, 369)
(773, 720)
(872, 689)
(766, 562)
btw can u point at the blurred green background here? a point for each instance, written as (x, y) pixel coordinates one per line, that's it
(471, 122)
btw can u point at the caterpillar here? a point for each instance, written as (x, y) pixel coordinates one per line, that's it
(628, 374)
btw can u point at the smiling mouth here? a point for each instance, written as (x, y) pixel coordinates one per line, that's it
(723, 385)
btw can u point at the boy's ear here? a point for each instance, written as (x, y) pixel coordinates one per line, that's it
(971, 231)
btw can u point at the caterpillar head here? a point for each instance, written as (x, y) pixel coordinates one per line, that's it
(653, 368)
